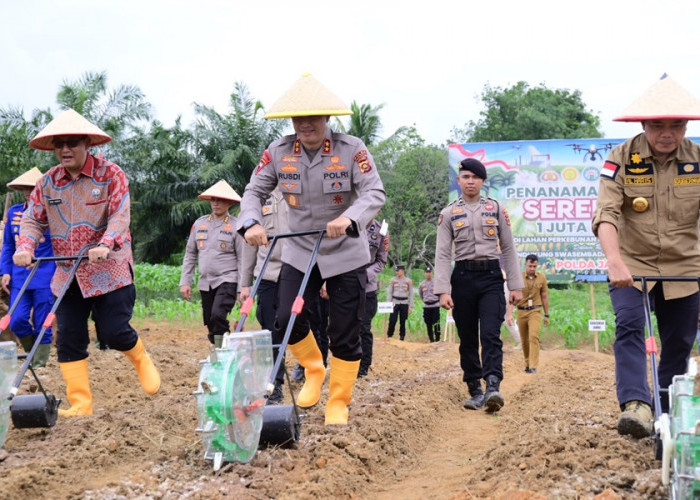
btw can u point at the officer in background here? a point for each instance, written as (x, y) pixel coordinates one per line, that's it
(431, 305)
(330, 181)
(534, 304)
(217, 250)
(647, 222)
(378, 239)
(401, 294)
(37, 300)
(475, 226)
(274, 220)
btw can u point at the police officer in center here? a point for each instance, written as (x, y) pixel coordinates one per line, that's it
(401, 295)
(274, 219)
(475, 225)
(431, 305)
(378, 240)
(647, 222)
(330, 181)
(216, 248)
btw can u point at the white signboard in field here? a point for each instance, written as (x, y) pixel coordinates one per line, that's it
(596, 325)
(385, 307)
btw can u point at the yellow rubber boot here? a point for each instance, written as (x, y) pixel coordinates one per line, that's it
(309, 356)
(148, 374)
(343, 376)
(75, 374)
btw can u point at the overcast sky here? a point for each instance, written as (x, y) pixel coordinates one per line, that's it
(427, 62)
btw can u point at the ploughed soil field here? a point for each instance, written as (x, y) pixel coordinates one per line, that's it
(408, 438)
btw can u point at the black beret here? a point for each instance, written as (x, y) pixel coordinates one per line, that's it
(428, 269)
(473, 165)
(400, 266)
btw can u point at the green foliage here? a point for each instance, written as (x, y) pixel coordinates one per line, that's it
(418, 183)
(15, 156)
(522, 112)
(364, 122)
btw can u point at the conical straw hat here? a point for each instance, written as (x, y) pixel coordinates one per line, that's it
(68, 123)
(308, 97)
(27, 179)
(222, 190)
(665, 100)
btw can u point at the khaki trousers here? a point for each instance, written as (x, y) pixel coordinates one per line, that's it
(529, 324)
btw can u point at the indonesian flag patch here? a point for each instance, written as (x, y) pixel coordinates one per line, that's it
(609, 170)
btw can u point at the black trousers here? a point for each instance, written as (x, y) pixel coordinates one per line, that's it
(479, 309)
(400, 312)
(677, 324)
(318, 311)
(431, 316)
(217, 303)
(113, 314)
(265, 314)
(366, 337)
(346, 308)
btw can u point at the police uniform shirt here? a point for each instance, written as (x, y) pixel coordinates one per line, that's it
(274, 220)
(655, 210)
(340, 180)
(475, 231)
(401, 291)
(378, 252)
(215, 246)
(425, 292)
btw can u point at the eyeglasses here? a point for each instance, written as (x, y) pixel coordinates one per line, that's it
(71, 143)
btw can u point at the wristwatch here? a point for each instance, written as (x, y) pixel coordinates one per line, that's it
(249, 223)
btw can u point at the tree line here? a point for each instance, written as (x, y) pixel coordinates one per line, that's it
(168, 167)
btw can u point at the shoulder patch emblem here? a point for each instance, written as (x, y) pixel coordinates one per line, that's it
(507, 217)
(266, 158)
(362, 160)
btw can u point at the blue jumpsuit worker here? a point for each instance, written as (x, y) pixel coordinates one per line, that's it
(646, 219)
(330, 181)
(474, 226)
(37, 300)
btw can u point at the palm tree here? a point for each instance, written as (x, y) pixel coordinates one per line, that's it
(364, 122)
(118, 112)
(231, 144)
(184, 163)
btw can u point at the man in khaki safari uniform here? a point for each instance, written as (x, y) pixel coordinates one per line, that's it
(214, 246)
(329, 181)
(647, 223)
(531, 309)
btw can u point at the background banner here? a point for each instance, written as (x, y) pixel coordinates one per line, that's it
(550, 189)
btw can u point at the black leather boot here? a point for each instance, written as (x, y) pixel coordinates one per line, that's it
(493, 399)
(477, 396)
